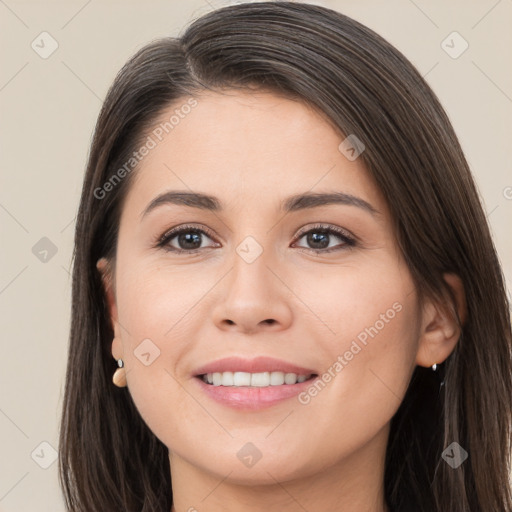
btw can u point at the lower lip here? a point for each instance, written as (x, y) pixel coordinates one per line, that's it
(253, 398)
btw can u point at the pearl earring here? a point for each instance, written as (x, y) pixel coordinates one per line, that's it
(434, 367)
(119, 378)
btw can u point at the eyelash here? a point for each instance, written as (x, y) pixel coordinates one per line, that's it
(163, 241)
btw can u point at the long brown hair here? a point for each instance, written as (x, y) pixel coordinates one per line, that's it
(109, 459)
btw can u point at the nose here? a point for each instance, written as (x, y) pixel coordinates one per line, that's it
(254, 298)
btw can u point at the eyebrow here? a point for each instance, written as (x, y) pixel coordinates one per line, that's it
(291, 204)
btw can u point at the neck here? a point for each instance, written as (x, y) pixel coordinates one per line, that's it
(353, 484)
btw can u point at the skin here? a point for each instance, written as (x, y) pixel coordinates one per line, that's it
(252, 151)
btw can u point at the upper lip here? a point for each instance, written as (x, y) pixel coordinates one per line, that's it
(254, 365)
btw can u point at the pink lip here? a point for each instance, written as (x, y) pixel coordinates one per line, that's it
(252, 398)
(255, 365)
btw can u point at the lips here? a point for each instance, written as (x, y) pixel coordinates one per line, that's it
(255, 365)
(252, 397)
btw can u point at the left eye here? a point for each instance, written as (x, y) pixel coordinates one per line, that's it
(319, 235)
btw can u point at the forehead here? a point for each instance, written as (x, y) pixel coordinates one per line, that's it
(247, 148)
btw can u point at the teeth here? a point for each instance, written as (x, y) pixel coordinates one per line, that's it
(258, 380)
(241, 379)
(276, 378)
(228, 379)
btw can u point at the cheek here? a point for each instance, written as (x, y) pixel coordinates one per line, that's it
(369, 356)
(364, 300)
(154, 309)
(155, 302)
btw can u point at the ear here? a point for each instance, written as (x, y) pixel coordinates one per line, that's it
(104, 267)
(440, 328)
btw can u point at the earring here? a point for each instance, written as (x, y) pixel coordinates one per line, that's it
(119, 378)
(434, 369)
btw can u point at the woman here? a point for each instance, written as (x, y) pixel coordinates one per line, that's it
(282, 263)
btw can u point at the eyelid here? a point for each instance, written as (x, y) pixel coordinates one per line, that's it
(325, 227)
(184, 227)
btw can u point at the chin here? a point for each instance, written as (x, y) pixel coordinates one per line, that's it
(266, 470)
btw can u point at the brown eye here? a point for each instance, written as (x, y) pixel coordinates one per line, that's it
(319, 238)
(187, 238)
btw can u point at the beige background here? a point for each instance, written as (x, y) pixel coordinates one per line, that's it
(48, 110)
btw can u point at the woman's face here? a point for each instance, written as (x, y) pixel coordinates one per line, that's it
(271, 278)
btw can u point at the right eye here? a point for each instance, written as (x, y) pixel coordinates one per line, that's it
(188, 239)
